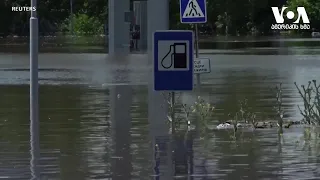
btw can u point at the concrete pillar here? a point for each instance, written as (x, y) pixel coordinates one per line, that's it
(119, 30)
(158, 19)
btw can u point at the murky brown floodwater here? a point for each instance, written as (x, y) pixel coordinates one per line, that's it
(79, 101)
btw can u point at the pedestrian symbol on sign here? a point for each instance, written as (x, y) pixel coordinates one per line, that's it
(193, 10)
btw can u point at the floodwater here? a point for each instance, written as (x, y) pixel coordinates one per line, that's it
(94, 121)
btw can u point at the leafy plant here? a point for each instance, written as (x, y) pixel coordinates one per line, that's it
(203, 110)
(311, 102)
(200, 108)
(81, 24)
(245, 113)
(234, 122)
(278, 105)
(176, 120)
(187, 111)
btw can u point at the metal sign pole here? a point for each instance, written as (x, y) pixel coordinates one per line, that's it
(197, 51)
(194, 12)
(34, 114)
(172, 103)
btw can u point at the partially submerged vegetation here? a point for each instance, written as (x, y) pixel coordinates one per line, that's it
(311, 102)
(245, 117)
(201, 109)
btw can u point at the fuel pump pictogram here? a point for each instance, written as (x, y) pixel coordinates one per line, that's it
(177, 56)
(173, 60)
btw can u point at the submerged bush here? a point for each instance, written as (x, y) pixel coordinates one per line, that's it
(311, 102)
(278, 105)
(245, 116)
(203, 110)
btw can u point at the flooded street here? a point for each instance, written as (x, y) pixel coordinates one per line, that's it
(79, 100)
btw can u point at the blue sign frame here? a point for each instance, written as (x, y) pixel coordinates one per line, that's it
(173, 80)
(184, 6)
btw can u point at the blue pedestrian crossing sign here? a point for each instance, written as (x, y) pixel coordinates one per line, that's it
(193, 11)
(173, 60)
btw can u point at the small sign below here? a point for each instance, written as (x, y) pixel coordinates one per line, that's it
(201, 65)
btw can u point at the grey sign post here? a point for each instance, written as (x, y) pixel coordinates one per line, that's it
(34, 107)
(194, 12)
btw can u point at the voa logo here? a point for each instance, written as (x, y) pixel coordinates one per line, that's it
(279, 17)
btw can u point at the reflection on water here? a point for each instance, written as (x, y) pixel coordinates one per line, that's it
(91, 129)
(120, 113)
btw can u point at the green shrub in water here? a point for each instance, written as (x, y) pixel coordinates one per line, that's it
(311, 102)
(278, 105)
(200, 108)
(203, 110)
